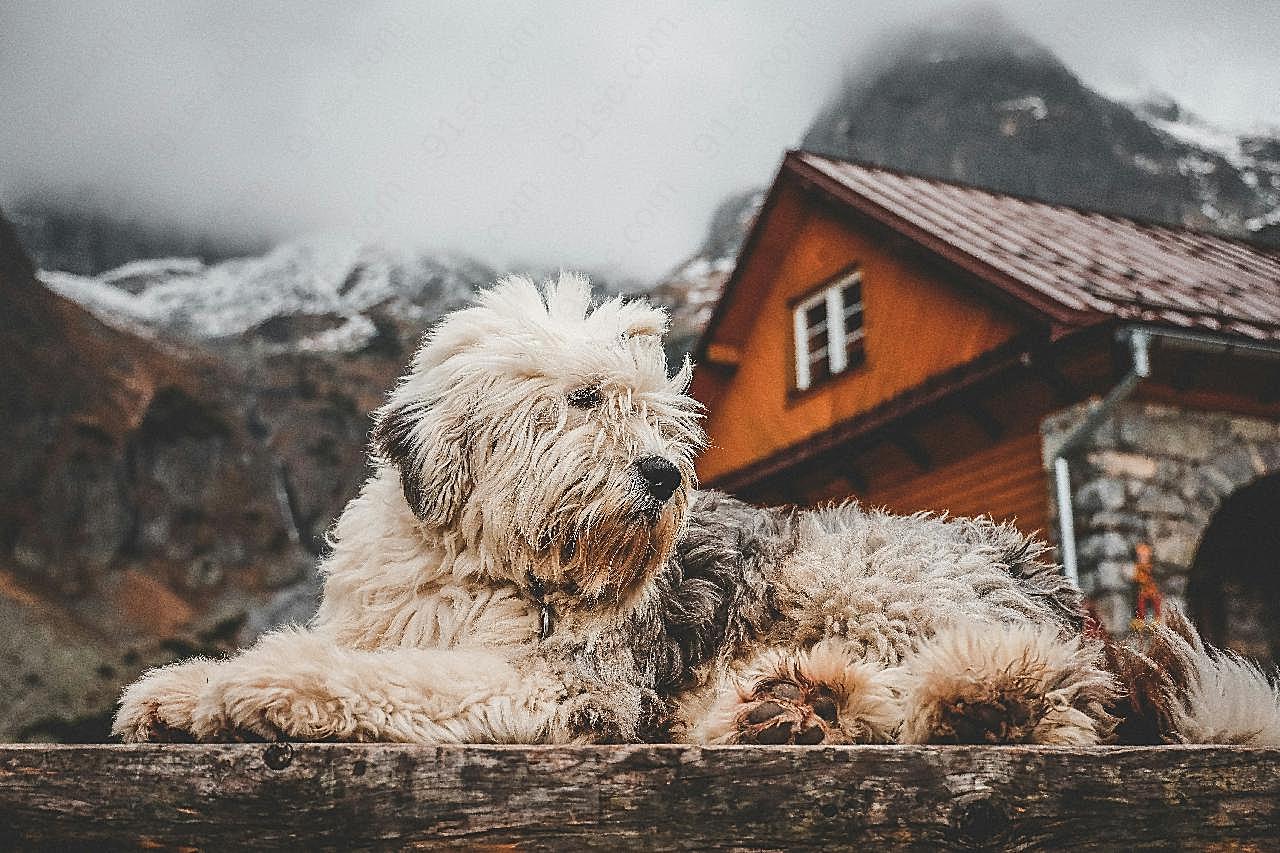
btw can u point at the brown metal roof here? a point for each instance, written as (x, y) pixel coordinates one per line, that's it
(1076, 266)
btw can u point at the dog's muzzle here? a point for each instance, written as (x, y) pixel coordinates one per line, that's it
(660, 477)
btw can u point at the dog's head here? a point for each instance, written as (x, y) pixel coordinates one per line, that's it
(545, 435)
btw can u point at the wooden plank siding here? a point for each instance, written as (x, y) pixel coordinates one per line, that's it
(918, 324)
(1006, 481)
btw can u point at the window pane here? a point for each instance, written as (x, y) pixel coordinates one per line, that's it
(852, 292)
(800, 338)
(828, 331)
(820, 369)
(816, 314)
(853, 349)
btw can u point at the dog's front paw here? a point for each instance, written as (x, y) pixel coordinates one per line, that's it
(787, 711)
(160, 706)
(819, 695)
(252, 707)
(991, 684)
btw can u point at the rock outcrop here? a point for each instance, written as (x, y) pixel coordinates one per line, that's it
(144, 513)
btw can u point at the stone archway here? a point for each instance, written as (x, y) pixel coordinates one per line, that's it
(1233, 589)
(1157, 475)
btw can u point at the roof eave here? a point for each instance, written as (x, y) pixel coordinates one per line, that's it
(1014, 355)
(1058, 315)
(744, 255)
(1061, 319)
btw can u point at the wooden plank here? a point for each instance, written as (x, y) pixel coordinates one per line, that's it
(1005, 480)
(352, 796)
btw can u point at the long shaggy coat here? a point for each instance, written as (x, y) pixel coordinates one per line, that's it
(531, 562)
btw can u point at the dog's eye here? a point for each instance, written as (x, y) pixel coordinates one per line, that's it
(585, 398)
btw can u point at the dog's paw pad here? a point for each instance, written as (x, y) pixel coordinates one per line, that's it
(161, 732)
(149, 726)
(784, 712)
(988, 720)
(764, 712)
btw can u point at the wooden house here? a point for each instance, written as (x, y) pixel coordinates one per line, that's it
(927, 345)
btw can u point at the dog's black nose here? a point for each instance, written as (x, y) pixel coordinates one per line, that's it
(661, 476)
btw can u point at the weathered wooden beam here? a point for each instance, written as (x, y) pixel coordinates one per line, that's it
(723, 355)
(854, 476)
(349, 796)
(983, 417)
(1045, 365)
(911, 446)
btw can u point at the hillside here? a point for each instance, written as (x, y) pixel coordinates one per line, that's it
(145, 511)
(1000, 111)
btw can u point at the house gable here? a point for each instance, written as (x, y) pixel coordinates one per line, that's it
(922, 319)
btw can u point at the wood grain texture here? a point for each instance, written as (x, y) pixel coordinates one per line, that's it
(920, 322)
(1005, 480)
(347, 796)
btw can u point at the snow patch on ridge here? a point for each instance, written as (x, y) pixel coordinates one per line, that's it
(183, 297)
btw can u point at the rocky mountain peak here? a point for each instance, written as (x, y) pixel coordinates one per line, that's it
(141, 515)
(988, 106)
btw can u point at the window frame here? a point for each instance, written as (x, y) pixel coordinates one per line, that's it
(839, 339)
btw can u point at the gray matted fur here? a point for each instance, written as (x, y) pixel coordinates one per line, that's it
(530, 561)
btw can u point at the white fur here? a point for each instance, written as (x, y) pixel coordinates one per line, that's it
(428, 630)
(1232, 702)
(1214, 696)
(505, 575)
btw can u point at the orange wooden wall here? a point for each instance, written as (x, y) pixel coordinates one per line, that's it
(917, 325)
(1005, 480)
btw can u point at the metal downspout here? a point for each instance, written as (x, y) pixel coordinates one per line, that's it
(1140, 350)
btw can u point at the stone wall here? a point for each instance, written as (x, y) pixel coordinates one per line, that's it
(1154, 474)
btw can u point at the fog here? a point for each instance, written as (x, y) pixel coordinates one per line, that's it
(575, 134)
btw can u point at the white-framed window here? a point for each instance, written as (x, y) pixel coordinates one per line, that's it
(828, 331)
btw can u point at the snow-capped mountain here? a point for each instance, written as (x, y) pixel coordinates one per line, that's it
(992, 109)
(1253, 155)
(986, 105)
(315, 295)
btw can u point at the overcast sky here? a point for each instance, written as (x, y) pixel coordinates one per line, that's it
(574, 134)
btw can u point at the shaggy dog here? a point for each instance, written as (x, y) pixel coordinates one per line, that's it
(530, 562)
